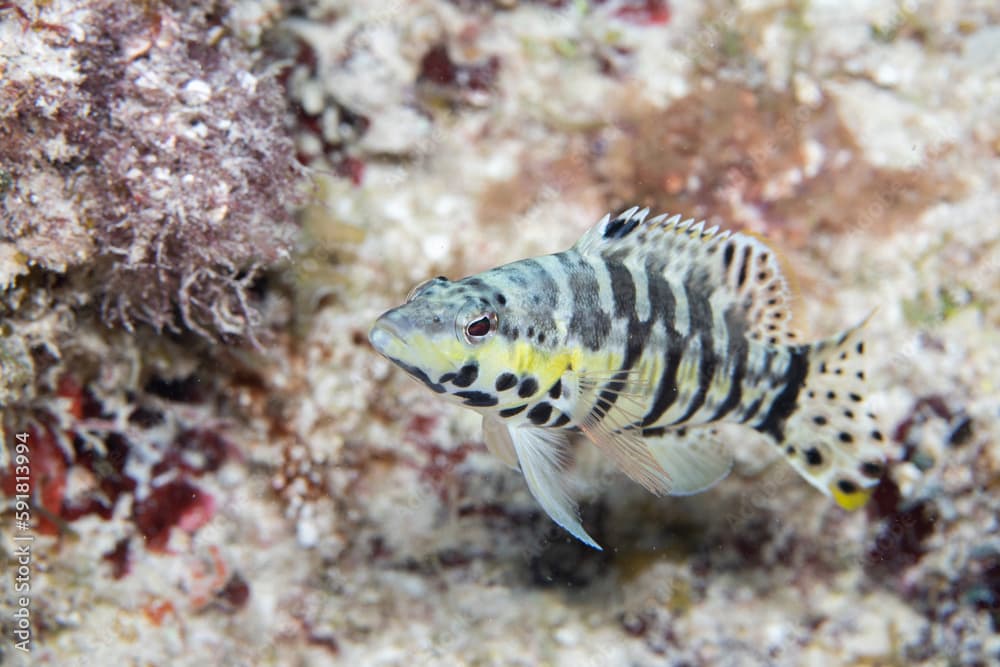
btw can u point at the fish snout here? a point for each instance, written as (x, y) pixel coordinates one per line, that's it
(388, 329)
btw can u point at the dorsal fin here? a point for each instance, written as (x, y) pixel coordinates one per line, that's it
(729, 267)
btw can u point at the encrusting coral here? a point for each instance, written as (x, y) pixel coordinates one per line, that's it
(143, 152)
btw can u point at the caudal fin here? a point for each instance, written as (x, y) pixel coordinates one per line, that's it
(830, 438)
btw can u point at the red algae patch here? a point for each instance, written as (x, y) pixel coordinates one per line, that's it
(754, 158)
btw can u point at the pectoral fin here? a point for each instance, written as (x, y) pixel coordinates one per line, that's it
(617, 400)
(542, 457)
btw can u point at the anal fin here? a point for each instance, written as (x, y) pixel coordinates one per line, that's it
(695, 458)
(542, 456)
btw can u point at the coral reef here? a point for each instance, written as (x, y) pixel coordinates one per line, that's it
(200, 500)
(143, 154)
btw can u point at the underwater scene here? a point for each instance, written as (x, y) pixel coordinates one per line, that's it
(570, 333)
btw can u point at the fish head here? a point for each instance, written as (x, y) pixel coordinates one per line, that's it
(446, 336)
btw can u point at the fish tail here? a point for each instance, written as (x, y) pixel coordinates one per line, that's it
(829, 437)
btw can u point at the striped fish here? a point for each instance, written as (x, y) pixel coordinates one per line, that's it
(642, 336)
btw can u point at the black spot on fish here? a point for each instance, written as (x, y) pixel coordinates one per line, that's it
(529, 386)
(501, 299)
(555, 391)
(447, 377)
(561, 420)
(540, 414)
(813, 457)
(479, 399)
(845, 437)
(467, 374)
(871, 469)
(847, 486)
(505, 381)
(727, 255)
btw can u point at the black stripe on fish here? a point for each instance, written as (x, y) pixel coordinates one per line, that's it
(784, 404)
(701, 325)
(510, 412)
(420, 375)
(478, 399)
(736, 356)
(545, 291)
(589, 323)
(765, 370)
(742, 278)
(666, 389)
(751, 410)
(622, 288)
(727, 255)
(663, 305)
(623, 292)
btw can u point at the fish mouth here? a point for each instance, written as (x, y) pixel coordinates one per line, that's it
(389, 331)
(389, 338)
(382, 336)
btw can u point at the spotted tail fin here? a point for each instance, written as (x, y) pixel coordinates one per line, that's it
(829, 437)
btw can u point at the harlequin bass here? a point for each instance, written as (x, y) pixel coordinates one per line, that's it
(642, 336)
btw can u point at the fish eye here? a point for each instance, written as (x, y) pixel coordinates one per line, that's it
(479, 327)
